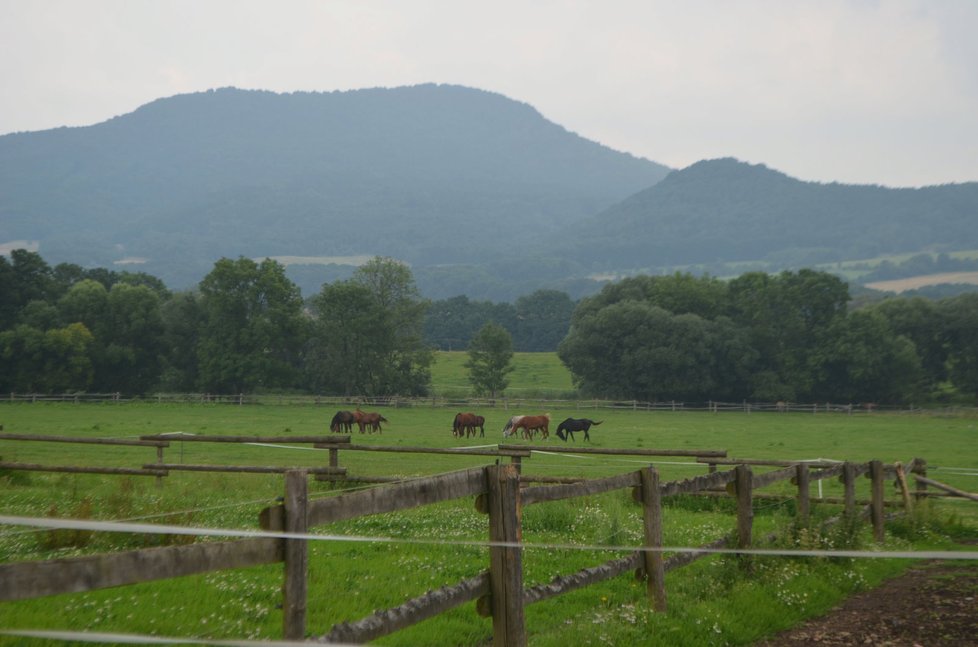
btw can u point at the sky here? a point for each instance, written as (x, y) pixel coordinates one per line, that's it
(852, 91)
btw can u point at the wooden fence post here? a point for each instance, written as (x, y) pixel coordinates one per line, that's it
(295, 586)
(744, 485)
(652, 511)
(159, 461)
(804, 500)
(849, 485)
(920, 468)
(506, 562)
(876, 507)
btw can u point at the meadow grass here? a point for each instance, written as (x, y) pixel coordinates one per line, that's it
(711, 602)
(534, 375)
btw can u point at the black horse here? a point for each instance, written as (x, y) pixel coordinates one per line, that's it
(342, 422)
(569, 426)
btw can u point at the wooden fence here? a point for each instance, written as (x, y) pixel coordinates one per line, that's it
(510, 402)
(498, 492)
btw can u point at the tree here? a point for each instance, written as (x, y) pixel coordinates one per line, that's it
(787, 318)
(961, 315)
(542, 320)
(252, 328)
(183, 318)
(863, 360)
(367, 335)
(922, 322)
(51, 361)
(490, 360)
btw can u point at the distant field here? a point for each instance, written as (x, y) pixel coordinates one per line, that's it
(533, 374)
(914, 282)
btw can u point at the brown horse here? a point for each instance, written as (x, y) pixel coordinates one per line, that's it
(372, 420)
(531, 424)
(465, 424)
(342, 422)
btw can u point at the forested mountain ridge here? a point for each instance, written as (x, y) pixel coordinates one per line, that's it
(429, 174)
(724, 210)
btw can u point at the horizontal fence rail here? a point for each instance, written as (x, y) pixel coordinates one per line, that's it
(506, 403)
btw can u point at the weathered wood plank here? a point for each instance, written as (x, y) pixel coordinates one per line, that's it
(525, 478)
(274, 440)
(590, 487)
(764, 462)
(462, 451)
(682, 559)
(745, 509)
(432, 603)
(827, 472)
(803, 479)
(398, 496)
(86, 441)
(947, 488)
(763, 480)
(294, 588)
(719, 453)
(250, 469)
(652, 518)
(505, 561)
(71, 469)
(877, 495)
(28, 580)
(698, 483)
(566, 583)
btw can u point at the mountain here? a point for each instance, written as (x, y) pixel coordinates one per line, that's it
(724, 211)
(430, 174)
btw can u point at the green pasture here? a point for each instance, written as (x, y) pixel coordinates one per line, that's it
(711, 602)
(534, 374)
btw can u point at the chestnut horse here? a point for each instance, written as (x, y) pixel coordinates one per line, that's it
(569, 426)
(530, 424)
(508, 428)
(342, 422)
(371, 420)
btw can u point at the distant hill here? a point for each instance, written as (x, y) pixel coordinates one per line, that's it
(431, 174)
(724, 211)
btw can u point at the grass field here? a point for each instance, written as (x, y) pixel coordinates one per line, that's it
(710, 602)
(534, 375)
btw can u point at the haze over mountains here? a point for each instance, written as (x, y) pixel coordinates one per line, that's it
(480, 194)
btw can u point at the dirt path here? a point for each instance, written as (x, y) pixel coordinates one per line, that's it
(931, 605)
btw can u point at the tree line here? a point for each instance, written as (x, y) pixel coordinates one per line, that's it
(246, 328)
(792, 336)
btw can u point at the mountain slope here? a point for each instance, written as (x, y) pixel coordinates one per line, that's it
(725, 210)
(429, 174)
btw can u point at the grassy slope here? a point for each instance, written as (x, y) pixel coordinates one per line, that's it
(709, 603)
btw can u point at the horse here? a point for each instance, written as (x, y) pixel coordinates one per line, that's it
(342, 422)
(465, 423)
(569, 426)
(508, 427)
(371, 420)
(530, 424)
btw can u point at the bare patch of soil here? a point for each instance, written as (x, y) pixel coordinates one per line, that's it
(931, 605)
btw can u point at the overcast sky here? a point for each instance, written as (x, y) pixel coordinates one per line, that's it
(855, 91)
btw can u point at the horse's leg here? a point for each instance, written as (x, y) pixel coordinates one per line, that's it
(587, 436)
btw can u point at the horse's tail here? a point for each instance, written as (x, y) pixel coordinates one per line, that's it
(383, 419)
(596, 423)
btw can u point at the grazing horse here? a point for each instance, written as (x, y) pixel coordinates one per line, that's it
(569, 426)
(371, 420)
(342, 422)
(508, 428)
(530, 424)
(465, 424)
